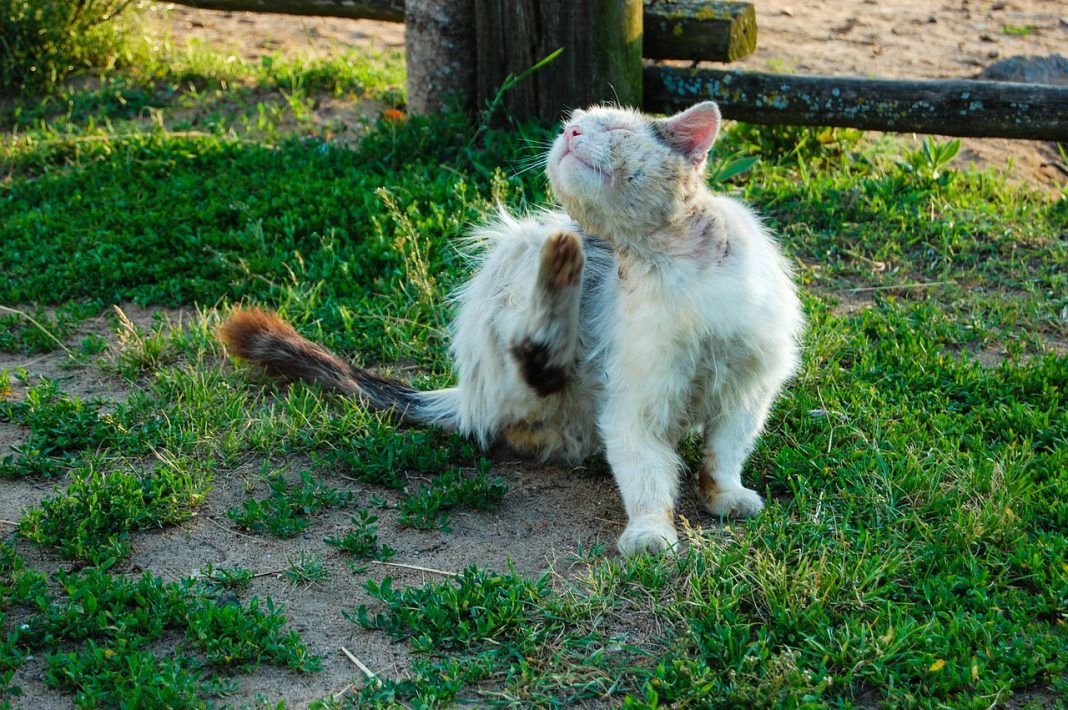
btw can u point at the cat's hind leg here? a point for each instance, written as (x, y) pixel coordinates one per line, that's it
(544, 346)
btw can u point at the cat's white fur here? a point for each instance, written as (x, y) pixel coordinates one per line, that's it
(661, 307)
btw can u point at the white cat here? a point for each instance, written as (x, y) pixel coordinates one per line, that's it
(647, 309)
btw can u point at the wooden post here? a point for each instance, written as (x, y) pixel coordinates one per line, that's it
(699, 29)
(438, 51)
(601, 61)
(959, 107)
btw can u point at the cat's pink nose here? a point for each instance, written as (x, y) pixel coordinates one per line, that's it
(571, 132)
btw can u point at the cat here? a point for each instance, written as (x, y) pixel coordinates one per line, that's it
(647, 308)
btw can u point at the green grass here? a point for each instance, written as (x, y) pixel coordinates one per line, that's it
(306, 570)
(44, 41)
(913, 552)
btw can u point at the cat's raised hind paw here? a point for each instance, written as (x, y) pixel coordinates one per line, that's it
(734, 503)
(648, 534)
(562, 260)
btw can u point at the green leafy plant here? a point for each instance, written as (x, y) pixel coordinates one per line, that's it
(731, 166)
(215, 581)
(60, 426)
(362, 540)
(477, 607)
(232, 635)
(931, 160)
(44, 40)
(95, 629)
(427, 507)
(287, 510)
(382, 454)
(92, 518)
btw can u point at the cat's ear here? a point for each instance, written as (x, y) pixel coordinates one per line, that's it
(693, 131)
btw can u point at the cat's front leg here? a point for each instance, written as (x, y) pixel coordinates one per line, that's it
(544, 346)
(646, 468)
(728, 441)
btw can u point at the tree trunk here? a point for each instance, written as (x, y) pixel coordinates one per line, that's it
(601, 61)
(439, 49)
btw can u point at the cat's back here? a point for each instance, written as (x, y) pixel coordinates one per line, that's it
(766, 311)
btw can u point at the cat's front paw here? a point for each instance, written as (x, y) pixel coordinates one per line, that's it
(734, 503)
(648, 533)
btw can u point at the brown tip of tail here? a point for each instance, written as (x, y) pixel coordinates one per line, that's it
(245, 328)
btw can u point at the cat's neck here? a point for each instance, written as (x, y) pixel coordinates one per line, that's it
(696, 232)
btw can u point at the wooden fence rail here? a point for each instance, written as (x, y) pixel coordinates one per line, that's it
(955, 107)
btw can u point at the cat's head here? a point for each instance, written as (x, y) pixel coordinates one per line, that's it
(618, 171)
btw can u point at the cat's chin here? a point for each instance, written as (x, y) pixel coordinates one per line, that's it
(577, 178)
(577, 161)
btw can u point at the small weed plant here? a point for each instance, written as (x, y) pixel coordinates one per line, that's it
(305, 570)
(287, 510)
(361, 541)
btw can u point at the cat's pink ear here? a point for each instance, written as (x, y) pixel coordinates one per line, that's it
(693, 131)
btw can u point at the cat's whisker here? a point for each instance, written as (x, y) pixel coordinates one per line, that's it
(538, 164)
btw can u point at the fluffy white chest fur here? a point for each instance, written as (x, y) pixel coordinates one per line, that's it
(647, 309)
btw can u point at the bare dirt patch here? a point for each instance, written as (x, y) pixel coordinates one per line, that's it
(255, 35)
(546, 514)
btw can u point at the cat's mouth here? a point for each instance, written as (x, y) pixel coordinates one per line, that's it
(568, 153)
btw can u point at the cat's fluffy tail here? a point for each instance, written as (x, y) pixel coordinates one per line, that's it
(265, 340)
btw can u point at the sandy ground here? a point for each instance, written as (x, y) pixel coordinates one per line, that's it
(549, 513)
(939, 39)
